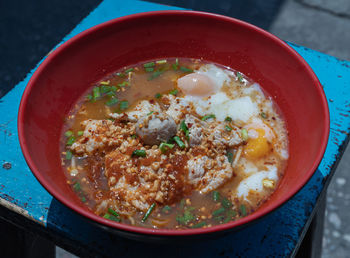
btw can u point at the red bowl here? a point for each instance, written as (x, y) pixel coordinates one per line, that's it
(73, 67)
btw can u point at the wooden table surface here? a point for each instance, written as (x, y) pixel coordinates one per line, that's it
(25, 203)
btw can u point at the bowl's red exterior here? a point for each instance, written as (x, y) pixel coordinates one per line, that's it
(68, 71)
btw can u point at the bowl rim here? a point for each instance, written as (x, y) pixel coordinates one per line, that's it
(170, 232)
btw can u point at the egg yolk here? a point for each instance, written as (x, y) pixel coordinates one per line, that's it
(195, 84)
(257, 147)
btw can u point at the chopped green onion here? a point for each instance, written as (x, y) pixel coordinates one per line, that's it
(174, 92)
(150, 64)
(243, 210)
(150, 113)
(68, 133)
(96, 93)
(239, 76)
(155, 75)
(179, 142)
(111, 217)
(244, 134)
(104, 83)
(208, 117)
(69, 155)
(161, 61)
(263, 115)
(184, 128)
(231, 214)
(70, 140)
(158, 96)
(112, 102)
(216, 196)
(104, 89)
(83, 199)
(229, 156)
(113, 212)
(80, 133)
(129, 70)
(218, 211)
(199, 225)
(149, 69)
(166, 208)
(175, 67)
(186, 70)
(123, 84)
(148, 212)
(186, 218)
(226, 203)
(177, 61)
(121, 75)
(77, 187)
(165, 146)
(134, 136)
(89, 97)
(228, 119)
(139, 153)
(124, 105)
(227, 128)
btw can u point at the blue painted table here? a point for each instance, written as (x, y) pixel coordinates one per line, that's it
(24, 202)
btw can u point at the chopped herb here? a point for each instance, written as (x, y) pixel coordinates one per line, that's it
(174, 92)
(199, 225)
(179, 142)
(161, 61)
(240, 77)
(218, 211)
(113, 212)
(186, 218)
(70, 140)
(148, 212)
(77, 187)
(149, 69)
(150, 64)
(96, 93)
(80, 133)
(208, 117)
(89, 97)
(124, 105)
(166, 208)
(150, 113)
(227, 128)
(244, 134)
(134, 136)
(229, 156)
(216, 196)
(139, 153)
(219, 218)
(231, 214)
(123, 84)
(228, 119)
(129, 70)
(112, 102)
(165, 146)
(111, 217)
(69, 155)
(175, 67)
(158, 96)
(263, 115)
(184, 128)
(68, 133)
(186, 70)
(83, 199)
(104, 83)
(155, 75)
(226, 203)
(243, 210)
(104, 89)
(121, 75)
(177, 61)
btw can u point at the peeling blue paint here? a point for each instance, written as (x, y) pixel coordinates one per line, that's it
(275, 235)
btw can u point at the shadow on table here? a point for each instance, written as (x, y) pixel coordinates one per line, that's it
(274, 235)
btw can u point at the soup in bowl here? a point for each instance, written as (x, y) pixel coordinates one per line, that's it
(188, 126)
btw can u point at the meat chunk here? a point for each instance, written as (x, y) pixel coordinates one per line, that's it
(156, 128)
